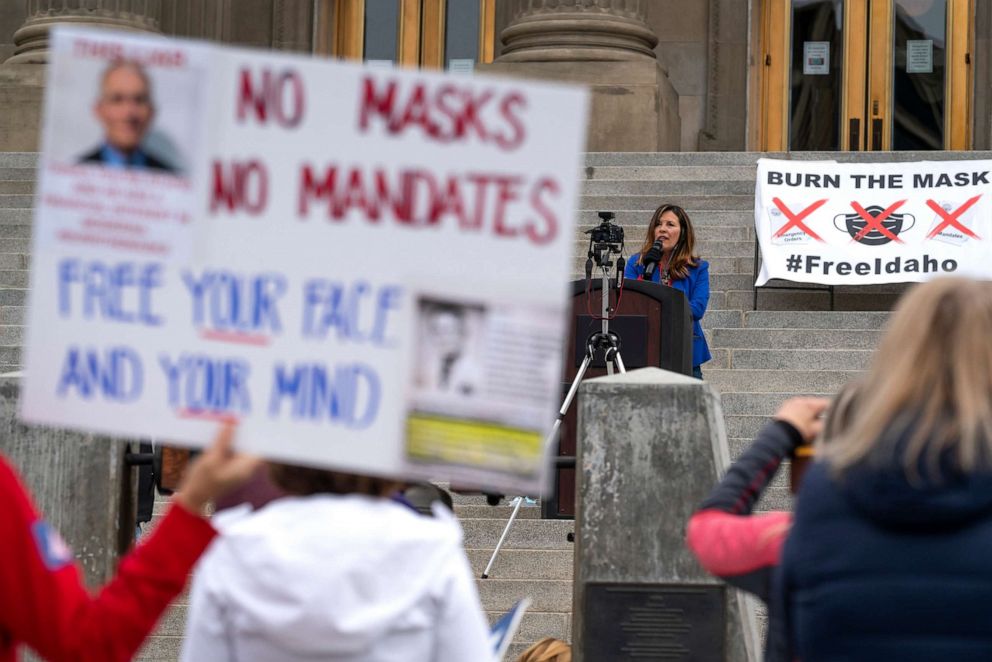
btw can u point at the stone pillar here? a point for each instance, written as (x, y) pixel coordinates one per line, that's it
(652, 444)
(78, 481)
(577, 30)
(607, 46)
(31, 40)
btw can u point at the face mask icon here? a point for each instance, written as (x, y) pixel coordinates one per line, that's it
(854, 224)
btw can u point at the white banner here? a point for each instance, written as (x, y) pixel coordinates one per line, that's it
(366, 267)
(860, 223)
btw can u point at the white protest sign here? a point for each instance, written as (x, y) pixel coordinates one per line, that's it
(865, 223)
(366, 267)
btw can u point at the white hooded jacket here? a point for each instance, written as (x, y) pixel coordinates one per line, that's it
(337, 578)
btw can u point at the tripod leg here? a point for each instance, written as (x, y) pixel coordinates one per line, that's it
(572, 390)
(506, 530)
(619, 361)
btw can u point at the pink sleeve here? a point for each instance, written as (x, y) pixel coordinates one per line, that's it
(728, 545)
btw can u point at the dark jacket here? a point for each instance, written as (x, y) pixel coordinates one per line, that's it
(149, 162)
(877, 568)
(696, 286)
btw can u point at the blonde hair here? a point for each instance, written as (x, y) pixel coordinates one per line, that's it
(928, 393)
(547, 650)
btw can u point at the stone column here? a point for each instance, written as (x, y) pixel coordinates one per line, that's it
(577, 30)
(651, 445)
(607, 46)
(31, 40)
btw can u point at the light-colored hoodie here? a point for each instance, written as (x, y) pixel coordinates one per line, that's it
(337, 578)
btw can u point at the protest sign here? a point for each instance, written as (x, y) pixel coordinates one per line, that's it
(865, 223)
(365, 267)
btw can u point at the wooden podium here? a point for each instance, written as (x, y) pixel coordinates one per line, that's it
(655, 329)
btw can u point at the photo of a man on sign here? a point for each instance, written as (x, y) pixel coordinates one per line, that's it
(125, 109)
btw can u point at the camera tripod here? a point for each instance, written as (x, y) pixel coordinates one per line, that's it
(605, 340)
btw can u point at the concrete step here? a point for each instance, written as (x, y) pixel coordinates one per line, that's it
(670, 189)
(634, 233)
(12, 230)
(778, 381)
(672, 173)
(10, 296)
(779, 339)
(18, 314)
(704, 247)
(525, 534)
(758, 404)
(18, 159)
(630, 159)
(13, 174)
(16, 201)
(14, 260)
(737, 203)
(766, 319)
(17, 187)
(14, 244)
(10, 357)
(808, 300)
(524, 563)
(719, 319)
(17, 278)
(15, 216)
(637, 159)
(501, 513)
(11, 335)
(554, 595)
(796, 359)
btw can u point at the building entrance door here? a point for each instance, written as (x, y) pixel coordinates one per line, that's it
(866, 74)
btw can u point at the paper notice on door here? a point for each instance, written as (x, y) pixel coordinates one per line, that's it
(816, 58)
(919, 56)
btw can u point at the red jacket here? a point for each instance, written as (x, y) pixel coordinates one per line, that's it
(44, 604)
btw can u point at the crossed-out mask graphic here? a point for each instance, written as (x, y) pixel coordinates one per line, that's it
(854, 224)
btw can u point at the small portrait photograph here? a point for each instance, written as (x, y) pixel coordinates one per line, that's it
(120, 113)
(450, 347)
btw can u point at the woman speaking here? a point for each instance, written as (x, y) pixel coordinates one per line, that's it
(668, 257)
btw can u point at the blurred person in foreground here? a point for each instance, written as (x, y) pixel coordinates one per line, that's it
(43, 602)
(888, 556)
(729, 540)
(337, 570)
(669, 248)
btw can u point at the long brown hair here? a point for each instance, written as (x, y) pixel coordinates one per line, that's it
(927, 396)
(684, 254)
(304, 481)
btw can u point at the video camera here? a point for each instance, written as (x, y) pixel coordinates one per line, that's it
(607, 232)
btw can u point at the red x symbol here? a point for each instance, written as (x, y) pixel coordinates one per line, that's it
(875, 222)
(796, 220)
(952, 218)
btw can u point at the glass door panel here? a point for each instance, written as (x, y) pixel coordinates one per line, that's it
(382, 26)
(816, 75)
(919, 74)
(866, 74)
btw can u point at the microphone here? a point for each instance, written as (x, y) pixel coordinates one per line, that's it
(650, 267)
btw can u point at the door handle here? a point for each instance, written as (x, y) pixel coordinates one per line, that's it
(854, 135)
(876, 133)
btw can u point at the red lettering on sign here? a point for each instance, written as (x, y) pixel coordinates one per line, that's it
(240, 186)
(283, 93)
(445, 113)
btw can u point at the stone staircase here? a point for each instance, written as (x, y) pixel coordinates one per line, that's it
(792, 345)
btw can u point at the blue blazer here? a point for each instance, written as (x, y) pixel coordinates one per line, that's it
(696, 286)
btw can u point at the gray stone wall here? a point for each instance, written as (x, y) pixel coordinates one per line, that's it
(12, 16)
